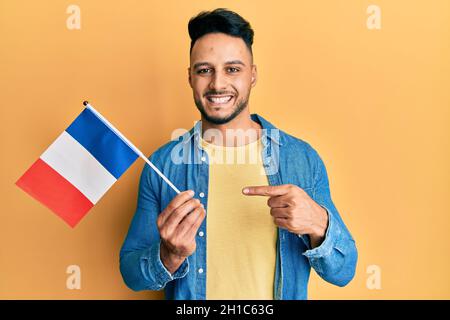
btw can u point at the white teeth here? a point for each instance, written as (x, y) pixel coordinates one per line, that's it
(220, 99)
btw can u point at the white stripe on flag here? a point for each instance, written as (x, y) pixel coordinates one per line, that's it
(71, 160)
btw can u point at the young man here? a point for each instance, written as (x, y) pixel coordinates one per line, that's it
(254, 227)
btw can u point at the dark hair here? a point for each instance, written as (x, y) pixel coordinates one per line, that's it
(220, 21)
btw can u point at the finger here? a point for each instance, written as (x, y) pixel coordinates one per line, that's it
(279, 213)
(177, 201)
(266, 190)
(191, 223)
(192, 232)
(278, 201)
(281, 222)
(180, 213)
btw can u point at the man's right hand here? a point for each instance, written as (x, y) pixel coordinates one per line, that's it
(178, 224)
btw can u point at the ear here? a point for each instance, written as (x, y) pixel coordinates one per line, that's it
(254, 75)
(189, 77)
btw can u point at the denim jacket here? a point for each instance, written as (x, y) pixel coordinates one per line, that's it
(287, 160)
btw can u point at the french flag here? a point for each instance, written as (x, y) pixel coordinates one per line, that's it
(79, 167)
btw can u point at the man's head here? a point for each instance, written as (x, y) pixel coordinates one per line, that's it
(221, 72)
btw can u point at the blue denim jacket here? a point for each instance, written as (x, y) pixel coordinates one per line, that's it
(287, 160)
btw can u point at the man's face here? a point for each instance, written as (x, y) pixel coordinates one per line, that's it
(221, 75)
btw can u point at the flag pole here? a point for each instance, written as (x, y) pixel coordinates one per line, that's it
(132, 146)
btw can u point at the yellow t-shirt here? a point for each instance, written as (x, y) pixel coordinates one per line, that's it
(241, 235)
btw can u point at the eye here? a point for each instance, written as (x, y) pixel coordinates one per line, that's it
(204, 70)
(233, 70)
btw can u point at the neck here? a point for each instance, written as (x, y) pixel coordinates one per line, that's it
(243, 123)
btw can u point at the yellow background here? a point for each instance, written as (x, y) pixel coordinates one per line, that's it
(374, 103)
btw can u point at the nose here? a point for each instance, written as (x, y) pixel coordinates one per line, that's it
(218, 82)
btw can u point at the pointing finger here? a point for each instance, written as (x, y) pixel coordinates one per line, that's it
(265, 190)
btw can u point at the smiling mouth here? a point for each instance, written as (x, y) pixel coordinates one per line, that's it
(219, 100)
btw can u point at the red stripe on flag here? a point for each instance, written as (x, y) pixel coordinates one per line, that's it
(46, 185)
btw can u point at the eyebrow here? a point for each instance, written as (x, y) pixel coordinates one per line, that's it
(199, 64)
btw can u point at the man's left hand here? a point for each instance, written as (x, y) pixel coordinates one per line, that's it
(293, 209)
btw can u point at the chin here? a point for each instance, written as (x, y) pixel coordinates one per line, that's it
(219, 113)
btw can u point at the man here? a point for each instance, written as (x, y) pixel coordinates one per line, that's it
(234, 233)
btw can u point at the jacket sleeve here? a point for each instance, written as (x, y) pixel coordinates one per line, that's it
(140, 262)
(335, 259)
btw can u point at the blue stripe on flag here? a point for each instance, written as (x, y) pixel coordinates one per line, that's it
(97, 138)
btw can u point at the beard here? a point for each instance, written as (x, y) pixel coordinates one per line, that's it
(239, 106)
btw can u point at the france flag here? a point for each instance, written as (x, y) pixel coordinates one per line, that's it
(79, 167)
